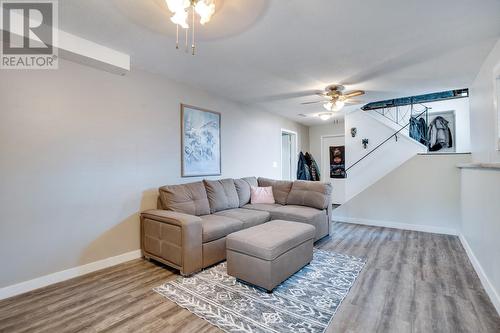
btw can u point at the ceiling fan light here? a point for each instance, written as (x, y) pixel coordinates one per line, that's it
(205, 8)
(180, 18)
(325, 116)
(179, 9)
(328, 106)
(177, 5)
(339, 104)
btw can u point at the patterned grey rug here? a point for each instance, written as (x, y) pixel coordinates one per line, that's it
(306, 302)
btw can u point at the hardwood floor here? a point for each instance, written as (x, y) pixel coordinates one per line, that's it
(412, 282)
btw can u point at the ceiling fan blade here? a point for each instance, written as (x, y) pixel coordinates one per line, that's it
(354, 93)
(322, 94)
(354, 101)
(305, 103)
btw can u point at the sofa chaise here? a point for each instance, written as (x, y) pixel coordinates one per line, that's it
(188, 230)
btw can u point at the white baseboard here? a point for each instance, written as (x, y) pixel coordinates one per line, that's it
(67, 274)
(488, 287)
(397, 225)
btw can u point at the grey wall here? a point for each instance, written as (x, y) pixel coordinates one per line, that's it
(83, 151)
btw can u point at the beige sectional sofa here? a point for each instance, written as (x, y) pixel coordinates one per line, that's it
(188, 230)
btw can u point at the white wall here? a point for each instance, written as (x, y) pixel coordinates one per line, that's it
(481, 225)
(421, 194)
(318, 131)
(385, 159)
(484, 110)
(481, 187)
(83, 151)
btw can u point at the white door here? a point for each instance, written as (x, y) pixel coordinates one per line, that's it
(288, 155)
(338, 195)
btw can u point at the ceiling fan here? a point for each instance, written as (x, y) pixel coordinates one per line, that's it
(336, 99)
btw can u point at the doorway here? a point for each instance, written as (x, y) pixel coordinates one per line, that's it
(289, 154)
(327, 141)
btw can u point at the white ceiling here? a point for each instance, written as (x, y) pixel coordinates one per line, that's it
(274, 52)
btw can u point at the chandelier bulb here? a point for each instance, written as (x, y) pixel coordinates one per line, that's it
(181, 10)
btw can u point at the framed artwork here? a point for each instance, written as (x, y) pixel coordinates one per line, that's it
(337, 162)
(200, 142)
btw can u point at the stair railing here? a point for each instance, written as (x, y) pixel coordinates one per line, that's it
(425, 112)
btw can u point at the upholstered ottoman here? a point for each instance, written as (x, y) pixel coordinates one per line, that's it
(268, 254)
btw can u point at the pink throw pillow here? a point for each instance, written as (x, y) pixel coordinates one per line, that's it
(261, 195)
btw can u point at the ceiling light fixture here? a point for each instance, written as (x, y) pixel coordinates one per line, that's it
(325, 116)
(334, 106)
(339, 105)
(183, 10)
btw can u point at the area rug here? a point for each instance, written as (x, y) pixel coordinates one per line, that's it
(306, 302)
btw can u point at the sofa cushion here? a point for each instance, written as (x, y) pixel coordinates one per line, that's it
(262, 195)
(221, 194)
(264, 207)
(216, 226)
(249, 217)
(311, 194)
(309, 215)
(270, 240)
(185, 198)
(243, 189)
(252, 181)
(281, 188)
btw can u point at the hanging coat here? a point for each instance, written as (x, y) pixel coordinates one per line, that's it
(303, 172)
(313, 167)
(418, 130)
(439, 134)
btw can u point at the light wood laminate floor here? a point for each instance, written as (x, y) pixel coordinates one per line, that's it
(412, 282)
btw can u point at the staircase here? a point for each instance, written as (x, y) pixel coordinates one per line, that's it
(400, 119)
(386, 126)
(388, 147)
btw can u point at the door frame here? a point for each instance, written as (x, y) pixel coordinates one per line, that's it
(293, 157)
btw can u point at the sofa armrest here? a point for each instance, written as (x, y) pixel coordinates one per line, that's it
(171, 217)
(174, 237)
